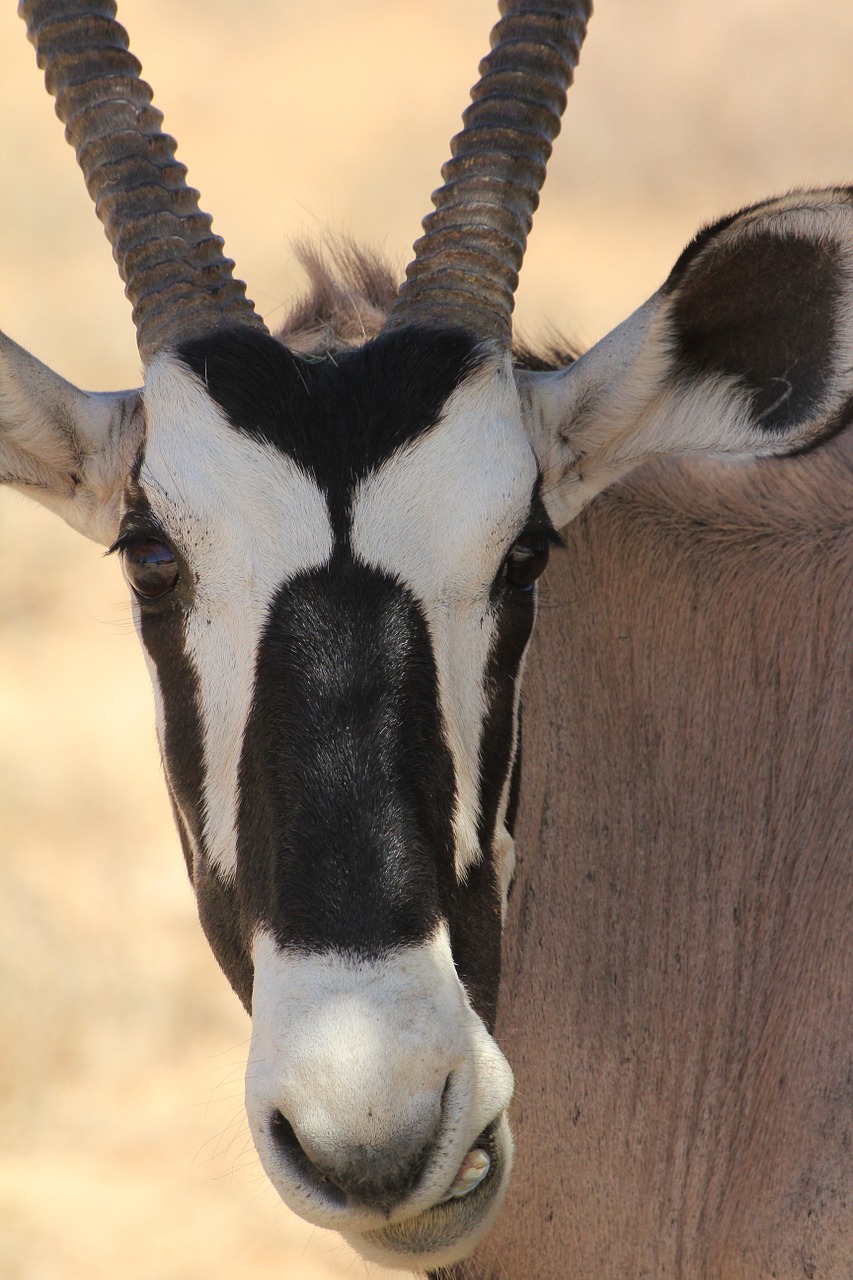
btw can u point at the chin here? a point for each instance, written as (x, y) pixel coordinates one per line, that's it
(449, 1231)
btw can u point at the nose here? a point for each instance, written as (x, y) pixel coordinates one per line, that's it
(368, 1081)
(376, 1175)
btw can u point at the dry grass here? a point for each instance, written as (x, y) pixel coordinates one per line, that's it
(125, 1153)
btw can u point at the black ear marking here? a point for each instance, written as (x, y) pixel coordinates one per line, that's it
(763, 307)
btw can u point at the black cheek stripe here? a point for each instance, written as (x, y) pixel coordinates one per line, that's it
(476, 914)
(162, 630)
(163, 638)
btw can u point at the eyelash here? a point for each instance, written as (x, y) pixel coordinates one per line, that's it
(527, 558)
(138, 533)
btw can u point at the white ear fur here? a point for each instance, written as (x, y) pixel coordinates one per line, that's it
(69, 449)
(744, 351)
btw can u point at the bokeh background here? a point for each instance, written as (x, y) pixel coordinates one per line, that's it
(124, 1154)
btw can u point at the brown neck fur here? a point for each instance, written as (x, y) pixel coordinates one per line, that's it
(678, 975)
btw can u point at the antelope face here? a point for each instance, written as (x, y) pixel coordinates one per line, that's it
(333, 566)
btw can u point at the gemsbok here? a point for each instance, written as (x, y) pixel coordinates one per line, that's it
(333, 540)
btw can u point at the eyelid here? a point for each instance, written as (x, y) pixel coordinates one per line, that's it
(541, 529)
(136, 533)
(552, 536)
(538, 521)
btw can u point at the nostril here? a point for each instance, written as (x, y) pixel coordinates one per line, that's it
(378, 1177)
(283, 1135)
(289, 1147)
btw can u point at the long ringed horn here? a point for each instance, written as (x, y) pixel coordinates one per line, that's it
(466, 265)
(175, 273)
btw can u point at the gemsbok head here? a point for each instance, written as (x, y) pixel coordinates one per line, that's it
(333, 551)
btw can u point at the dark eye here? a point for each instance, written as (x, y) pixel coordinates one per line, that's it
(150, 567)
(527, 560)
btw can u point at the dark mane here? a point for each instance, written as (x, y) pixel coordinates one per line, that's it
(349, 292)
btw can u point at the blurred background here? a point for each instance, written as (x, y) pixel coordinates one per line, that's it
(124, 1152)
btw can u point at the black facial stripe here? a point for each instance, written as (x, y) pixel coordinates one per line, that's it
(228, 930)
(476, 911)
(475, 917)
(162, 631)
(163, 637)
(514, 615)
(475, 938)
(515, 618)
(340, 417)
(347, 791)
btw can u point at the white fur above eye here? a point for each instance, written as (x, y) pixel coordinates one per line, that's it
(247, 519)
(440, 516)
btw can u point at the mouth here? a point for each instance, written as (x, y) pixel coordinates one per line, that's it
(473, 1170)
(479, 1166)
(449, 1230)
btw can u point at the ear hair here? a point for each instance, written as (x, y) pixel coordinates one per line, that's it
(744, 351)
(71, 450)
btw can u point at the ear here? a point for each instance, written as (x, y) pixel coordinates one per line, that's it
(70, 450)
(746, 350)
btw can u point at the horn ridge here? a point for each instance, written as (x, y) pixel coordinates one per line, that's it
(466, 264)
(176, 275)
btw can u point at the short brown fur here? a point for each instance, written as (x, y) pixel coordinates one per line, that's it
(350, 291)
(677, 993)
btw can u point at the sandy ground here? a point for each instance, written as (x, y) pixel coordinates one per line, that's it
(124, 1153)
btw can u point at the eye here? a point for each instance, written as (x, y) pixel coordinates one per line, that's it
(527, 560)
(150, 568)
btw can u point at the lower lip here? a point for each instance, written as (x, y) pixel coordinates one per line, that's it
(439, 1236)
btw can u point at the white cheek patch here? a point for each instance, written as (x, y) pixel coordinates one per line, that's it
(247, 519)
(440, 515)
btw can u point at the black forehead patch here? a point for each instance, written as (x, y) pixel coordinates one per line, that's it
(341, 415)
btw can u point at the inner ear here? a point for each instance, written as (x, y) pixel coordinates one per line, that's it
(69, 449)
(765, 314)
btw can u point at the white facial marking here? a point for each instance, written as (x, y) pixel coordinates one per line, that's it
(247, 519)
(355, 1053)
(440, 515)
